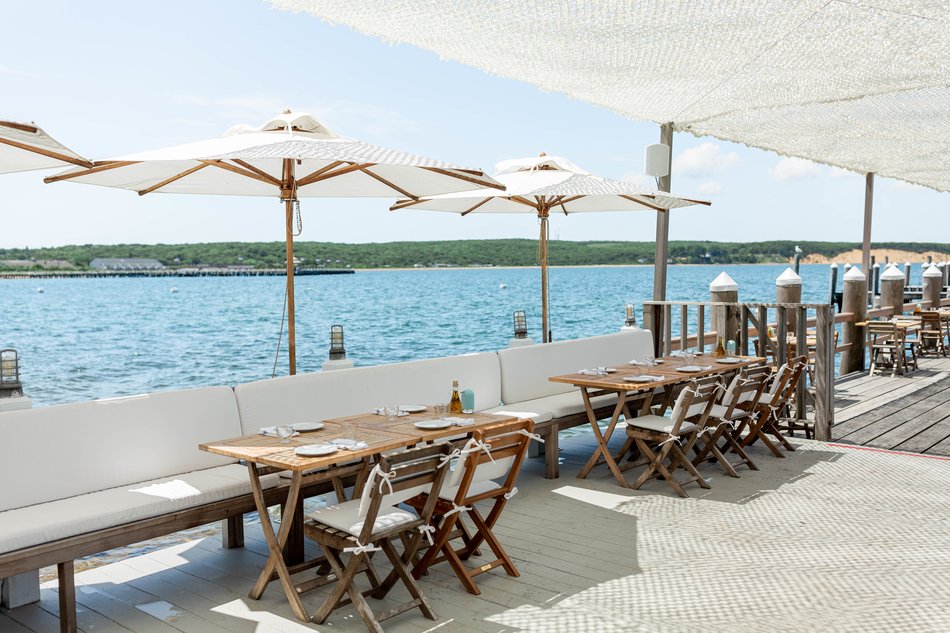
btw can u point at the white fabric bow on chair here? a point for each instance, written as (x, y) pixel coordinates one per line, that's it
(362, 549)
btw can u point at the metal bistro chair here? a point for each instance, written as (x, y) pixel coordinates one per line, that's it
(888, 346)
(487, 468)
(932, 334)
(665, 442)
(370, 524)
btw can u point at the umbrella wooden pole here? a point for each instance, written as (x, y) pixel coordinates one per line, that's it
(288, 192)
(291, 326)
(543, 243)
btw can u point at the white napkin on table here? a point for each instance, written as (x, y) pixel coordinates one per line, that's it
(460, 421)
(349, 445)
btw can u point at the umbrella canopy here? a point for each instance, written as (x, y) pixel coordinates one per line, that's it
(291, 156)
(23, 147)
(547, 184)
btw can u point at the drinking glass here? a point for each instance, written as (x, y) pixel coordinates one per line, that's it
(392, 412)
(351, 430)
(441, 410)
(689, 356)
(651, 361)
(731, 348)
(284, 432)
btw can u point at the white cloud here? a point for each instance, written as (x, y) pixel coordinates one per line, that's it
(710, 188)
(794, 169)
(703, 160)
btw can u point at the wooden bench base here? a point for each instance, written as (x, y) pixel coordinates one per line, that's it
(549, 430)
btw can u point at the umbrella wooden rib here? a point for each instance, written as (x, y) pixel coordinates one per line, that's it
(42, 151)
(387, 183)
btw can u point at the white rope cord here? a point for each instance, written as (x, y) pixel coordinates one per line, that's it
(457, 453)
(475, 446)
(385, 478)
(456, 508)
(511, 493)
(533, 436)
(427, 531)
(359, 548)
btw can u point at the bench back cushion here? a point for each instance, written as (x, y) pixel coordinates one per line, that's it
(330, 394)
(525, 370)
(72, 449)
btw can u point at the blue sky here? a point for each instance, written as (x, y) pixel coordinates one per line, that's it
(109, 77)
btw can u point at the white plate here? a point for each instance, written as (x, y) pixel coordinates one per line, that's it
(690, 369)
(412, 408)
(610, 370)
(432, 425)
(315, 450)
(659, 361)
(305, 427)
(640, 379)
(729, 361)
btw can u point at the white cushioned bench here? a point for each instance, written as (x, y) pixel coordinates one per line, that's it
(86, 477)
(526, 390)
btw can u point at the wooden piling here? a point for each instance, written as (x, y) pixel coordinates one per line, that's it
(892, 290)
(788, 289)
(854, 301)
(725, 319)
(932, 282)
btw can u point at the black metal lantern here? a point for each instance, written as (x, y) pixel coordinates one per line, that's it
(10, 385)
(337, 350)
(521, 324)
(631, 315)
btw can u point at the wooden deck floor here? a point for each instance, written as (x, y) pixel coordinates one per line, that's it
(904, 413)
(819, 541)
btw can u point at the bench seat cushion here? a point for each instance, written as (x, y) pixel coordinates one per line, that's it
(53, 520)
(556, 406)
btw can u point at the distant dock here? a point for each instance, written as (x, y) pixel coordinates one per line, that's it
(181, 272)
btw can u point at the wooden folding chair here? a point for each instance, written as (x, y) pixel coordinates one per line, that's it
(728, 416)
(665, 442)
(932, 334)
(369, 524)
(771, 405)
(888, 346)
(491, 456)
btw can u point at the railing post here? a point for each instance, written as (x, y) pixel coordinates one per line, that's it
(763, 331)
(801, 348)
(824, 373)
(667, 329)
(781, 336)
(684, 327)
(854, 300)
(701, 325)
(744, 331)
(788, 289)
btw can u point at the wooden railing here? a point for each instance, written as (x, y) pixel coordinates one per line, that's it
(746, 323)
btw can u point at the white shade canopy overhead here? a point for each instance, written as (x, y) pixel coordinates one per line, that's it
(860, 85)
(249, 161)
(551, 183)
(24, 147)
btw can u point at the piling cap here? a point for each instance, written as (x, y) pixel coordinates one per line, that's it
(855, 274)
(788, 278)
(723, 283)
(892, 273)
(932, 271)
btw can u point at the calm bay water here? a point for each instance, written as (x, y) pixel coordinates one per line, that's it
(93, 338)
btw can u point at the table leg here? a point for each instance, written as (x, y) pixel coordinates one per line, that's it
(276, 542)
(602, 438)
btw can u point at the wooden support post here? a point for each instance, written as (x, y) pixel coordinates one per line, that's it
(834, 284)
(801, 337)
(781, 335)
(725, 319)
(824, 373)
(854, 300)
(763, 331)
(701, 325)
(684, 327)
(67, 597)
(667, 329)
(232, 532)
(743, 349)
(868, 209)
(892, 290)
(932, 282)
(662, 252)
(653, 321)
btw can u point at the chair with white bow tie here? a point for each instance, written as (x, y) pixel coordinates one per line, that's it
(371, 523)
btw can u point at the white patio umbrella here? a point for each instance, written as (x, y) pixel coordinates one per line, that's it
(544, 184)
(292, 156)
(24, 146)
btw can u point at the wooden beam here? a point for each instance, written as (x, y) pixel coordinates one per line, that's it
(403, 204)
(643, 202)
(92, 170)
(472, 208)
(169, 181)
(321, 171)
(467, 177)
(220, 164)
(324, 174)
(23, 127)
(259, 172)
(46, 152)
(661, 253)
(389, 184)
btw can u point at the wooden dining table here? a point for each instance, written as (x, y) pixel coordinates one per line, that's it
(669, 376)
(265, 454)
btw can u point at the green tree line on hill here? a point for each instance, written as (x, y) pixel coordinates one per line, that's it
(506, 252)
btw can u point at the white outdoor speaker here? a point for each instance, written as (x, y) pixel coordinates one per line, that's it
(656, 160)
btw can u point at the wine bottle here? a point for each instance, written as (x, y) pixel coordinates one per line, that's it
(455, 404)
(720, 350)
